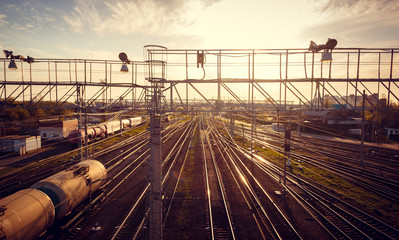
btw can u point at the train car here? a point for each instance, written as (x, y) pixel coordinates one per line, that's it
(167, 116)
(135, 121)
(69, 188)
(93, 133)
(99, 131)
(79, 135)
(112, 127)
(125, 123)
(26, 214)
(102, 130)
(74, 137)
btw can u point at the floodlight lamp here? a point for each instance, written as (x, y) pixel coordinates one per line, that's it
(124, 68)
(331, 43)
(12, 65)
(313, 47)
(7, 53)
(123, 57)
(326, 56)
(329, 46)
(29, 59)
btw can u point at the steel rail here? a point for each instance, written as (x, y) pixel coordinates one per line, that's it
(177, 184)
(207, 188)
(249, 202)
(116, 234)
(393, 231)
(222, 193)
(384, 187)
(362, 177)
(257, 184)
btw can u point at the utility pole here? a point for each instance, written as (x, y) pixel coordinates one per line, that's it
(79, 102)
(299, 118)
(288, 139)
(156, 76)
(232, 123)
(278, 131)
(86, 137)
(155, 169)
(121, 126)
(362, 140)
(287, 149)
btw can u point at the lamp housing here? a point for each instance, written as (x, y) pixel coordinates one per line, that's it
(124, 68)
(329, 46)
(123, 57)
(326, 57)
(7, 53)
(12, 65)
(29, 59)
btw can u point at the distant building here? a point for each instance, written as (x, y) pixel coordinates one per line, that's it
(347, 102)
(318, 115)
(21, 144)
(393, 133)
(55, 129)
(340, 121)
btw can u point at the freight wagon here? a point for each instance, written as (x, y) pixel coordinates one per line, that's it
(28, 213)
(102, 130)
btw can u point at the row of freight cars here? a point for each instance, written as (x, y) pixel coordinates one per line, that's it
(102, 130)
(28, 213)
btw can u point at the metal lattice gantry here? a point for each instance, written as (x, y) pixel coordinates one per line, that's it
(277, 78)
(95, 84)
(210, 79)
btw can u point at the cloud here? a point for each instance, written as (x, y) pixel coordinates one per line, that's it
(157, 17)
(354, 22)
(27, 17)
(361, 6)
(2, 19)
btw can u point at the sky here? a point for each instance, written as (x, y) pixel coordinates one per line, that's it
(101, 29)
(97, 29)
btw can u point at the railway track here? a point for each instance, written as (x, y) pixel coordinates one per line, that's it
(273, 221)
(343, 152)
(30, 174)
(128, 180)
(220, 222)
(131, 224)
(238, 192)
(319, 157)
(341, 219)
(387, 188)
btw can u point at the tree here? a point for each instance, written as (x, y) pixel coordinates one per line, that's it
(11, 114)
(23, 113)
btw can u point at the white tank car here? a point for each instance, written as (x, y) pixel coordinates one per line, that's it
(134, 121)
(69, 188)
(25, 214)
(113, 127)
(125, 123)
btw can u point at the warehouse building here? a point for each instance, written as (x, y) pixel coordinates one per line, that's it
(19, 144)
(55, 129)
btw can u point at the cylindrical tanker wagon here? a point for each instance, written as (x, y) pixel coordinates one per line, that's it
(28, 213)
(69, 188)
(25, 214)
